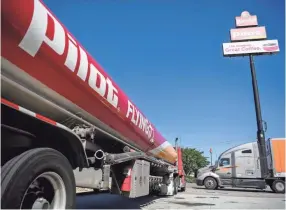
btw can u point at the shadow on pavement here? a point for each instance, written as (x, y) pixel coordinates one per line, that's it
(236, 190)
(111, 201)
(189, 204)
(146, 200)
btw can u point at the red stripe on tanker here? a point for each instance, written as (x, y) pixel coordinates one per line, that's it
(36, 42)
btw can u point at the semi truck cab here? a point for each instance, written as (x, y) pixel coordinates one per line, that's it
(240, 167)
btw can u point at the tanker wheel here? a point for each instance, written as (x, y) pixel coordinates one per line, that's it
(278, 186)
(210, 183)
(38, 178)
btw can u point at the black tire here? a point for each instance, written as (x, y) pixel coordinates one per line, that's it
(182, 188)
(210, 183)
(278, 186)
(18, 173)
(175, 186)
(271, 187)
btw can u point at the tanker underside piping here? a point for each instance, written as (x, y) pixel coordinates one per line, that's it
(13, 89)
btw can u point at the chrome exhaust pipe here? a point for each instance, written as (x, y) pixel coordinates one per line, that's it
(99, 154)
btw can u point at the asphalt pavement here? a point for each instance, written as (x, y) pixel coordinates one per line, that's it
(193, 198)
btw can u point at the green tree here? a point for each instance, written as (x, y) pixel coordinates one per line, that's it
(193, 160)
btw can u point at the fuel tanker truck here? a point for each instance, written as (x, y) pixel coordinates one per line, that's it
(65, 123)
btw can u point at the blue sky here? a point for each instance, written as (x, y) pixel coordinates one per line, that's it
(167, 57)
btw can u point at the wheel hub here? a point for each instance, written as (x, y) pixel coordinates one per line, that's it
(41, 203)
(280, 186)
(47, 191)
(210, 183)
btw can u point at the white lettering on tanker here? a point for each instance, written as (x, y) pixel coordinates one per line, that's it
(71, 59)
(36, 36)
(96, 78)
(140, 121)
(83, 65)
(112, 93)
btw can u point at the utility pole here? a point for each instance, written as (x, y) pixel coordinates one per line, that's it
(260, 131)
(176, 143)
(211, 154)
(176, 147)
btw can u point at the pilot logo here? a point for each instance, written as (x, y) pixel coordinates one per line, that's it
(44, 29)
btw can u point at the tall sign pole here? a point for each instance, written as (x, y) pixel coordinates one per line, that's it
(260, 130)
(243, 44)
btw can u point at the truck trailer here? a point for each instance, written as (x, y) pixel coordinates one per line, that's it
(65, 123)
(240, 167)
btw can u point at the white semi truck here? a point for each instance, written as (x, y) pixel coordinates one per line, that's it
(65, 122)
(240, 167)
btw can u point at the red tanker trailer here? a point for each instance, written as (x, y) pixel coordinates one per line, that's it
(66, 123)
